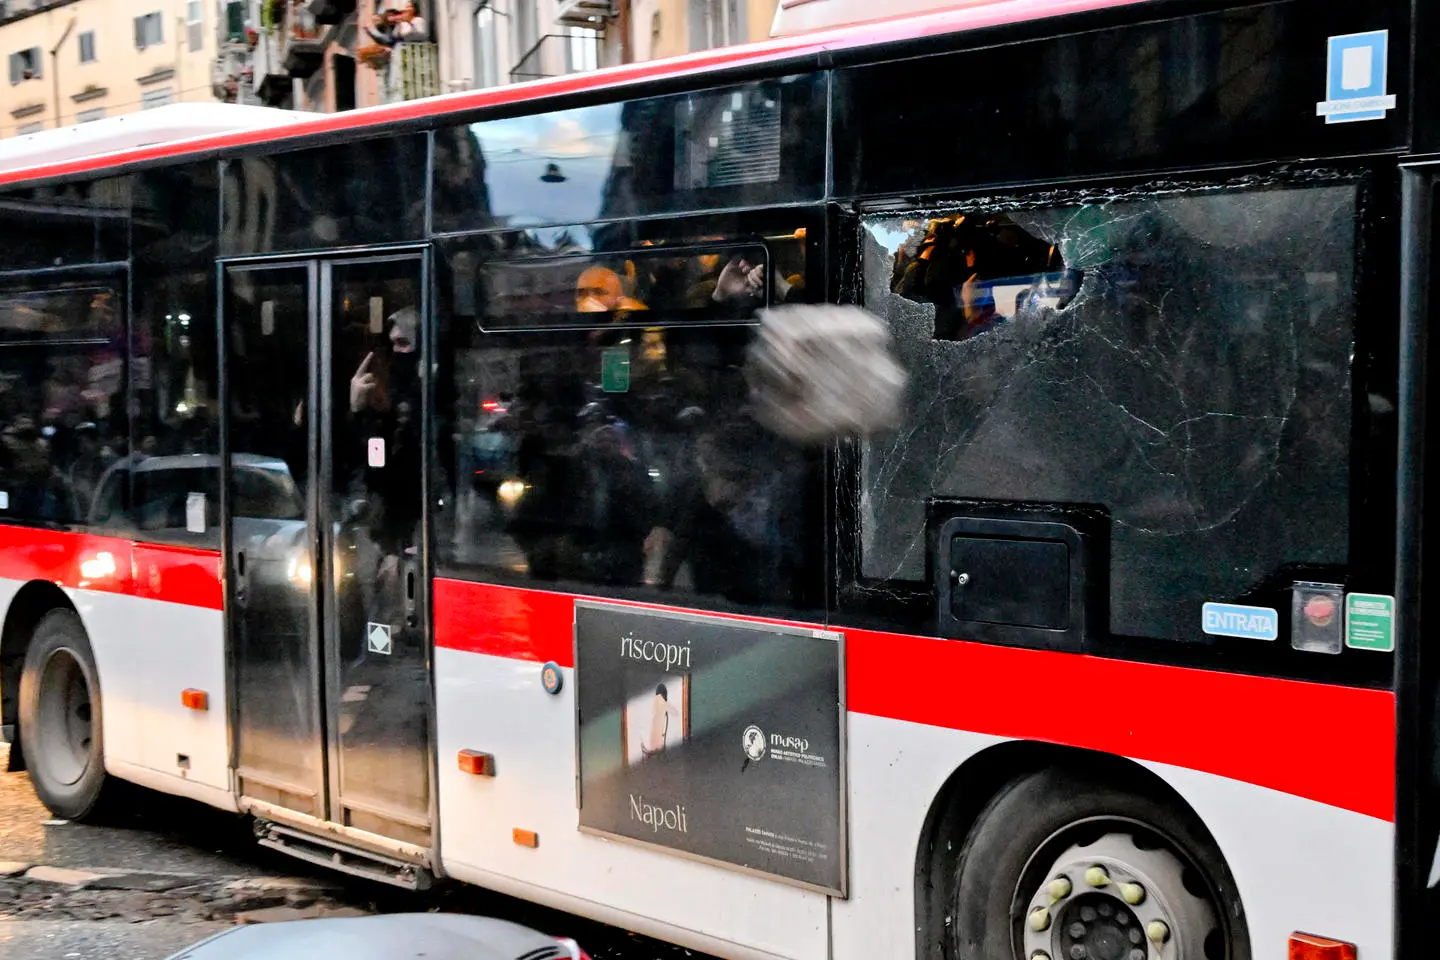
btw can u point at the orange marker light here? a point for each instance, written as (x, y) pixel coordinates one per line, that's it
(526, 838)
(1307, 946)
(476, 763)
(195, 699)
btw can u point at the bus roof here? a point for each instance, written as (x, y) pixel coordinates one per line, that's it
(126, 149)
(143, 128)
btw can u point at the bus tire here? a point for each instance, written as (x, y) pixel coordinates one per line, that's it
(60, 717)
(1061, 859)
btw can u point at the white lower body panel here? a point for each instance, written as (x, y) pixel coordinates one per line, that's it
(146, 653)
(498, 706)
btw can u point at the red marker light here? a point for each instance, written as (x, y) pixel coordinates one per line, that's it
(573, 950)
(1307, 946)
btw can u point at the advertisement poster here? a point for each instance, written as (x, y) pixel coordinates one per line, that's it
(713, 738)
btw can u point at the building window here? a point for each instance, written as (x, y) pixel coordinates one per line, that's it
(716, 23)
(25, 65)
(149, 30)
(194, 25)
(35, 126)
(157, 98)
(87, 46)
(86, 116)
(582, 49)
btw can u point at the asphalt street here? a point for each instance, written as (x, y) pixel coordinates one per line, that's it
(166, 873)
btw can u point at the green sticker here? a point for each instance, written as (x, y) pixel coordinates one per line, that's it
(615, 370)
(1370, 622)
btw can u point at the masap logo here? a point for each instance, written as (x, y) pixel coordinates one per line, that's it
(753, 740)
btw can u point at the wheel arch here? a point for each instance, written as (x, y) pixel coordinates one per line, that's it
(31, 603)
(966, 793)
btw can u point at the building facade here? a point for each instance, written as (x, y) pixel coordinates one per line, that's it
(71, 61)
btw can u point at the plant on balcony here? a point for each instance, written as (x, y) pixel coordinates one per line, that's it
(302, 22)
(374, 56)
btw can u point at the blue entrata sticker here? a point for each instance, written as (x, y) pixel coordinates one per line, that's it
(1234, 620)
(1355, 78)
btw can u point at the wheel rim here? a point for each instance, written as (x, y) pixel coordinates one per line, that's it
(66, 730)
(1114, 891)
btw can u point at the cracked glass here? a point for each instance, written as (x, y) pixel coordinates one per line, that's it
(1181, 359)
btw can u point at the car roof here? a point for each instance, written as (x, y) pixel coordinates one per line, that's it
(435, 936)
(205, 461)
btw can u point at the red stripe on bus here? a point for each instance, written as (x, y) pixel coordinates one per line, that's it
(974, 16)
(112, 565)
(1323, 742)
(178, 575)
(1331, 744)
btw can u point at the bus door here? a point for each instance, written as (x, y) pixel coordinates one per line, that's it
(325, 500)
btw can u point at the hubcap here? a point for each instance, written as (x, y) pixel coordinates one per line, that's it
(1114, 900)
(65, 718)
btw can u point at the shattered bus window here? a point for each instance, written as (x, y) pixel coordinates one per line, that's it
(1180, 359)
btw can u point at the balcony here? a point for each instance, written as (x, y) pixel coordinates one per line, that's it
(331, 11)
(590, 14)
(413, 72)
(304, 43)
(271, 80)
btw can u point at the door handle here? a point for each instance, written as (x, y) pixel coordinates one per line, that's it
(412, 594)
(242, 579)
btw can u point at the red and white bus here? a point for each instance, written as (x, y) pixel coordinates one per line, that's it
(412, 481)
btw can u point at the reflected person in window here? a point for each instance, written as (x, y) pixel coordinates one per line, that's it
(386, 494)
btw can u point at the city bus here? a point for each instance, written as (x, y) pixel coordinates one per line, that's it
(427, 484)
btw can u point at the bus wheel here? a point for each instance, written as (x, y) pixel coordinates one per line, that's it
(60, 717)
(1061, 866)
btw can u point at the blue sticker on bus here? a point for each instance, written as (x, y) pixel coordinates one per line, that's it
(1355, 78)
(1235, 620)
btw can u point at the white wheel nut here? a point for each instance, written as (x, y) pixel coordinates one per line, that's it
(1059, 889)
(1097, 877)
(1133, 893)
(1039, 955)
(1039, 919)
(1157, 931)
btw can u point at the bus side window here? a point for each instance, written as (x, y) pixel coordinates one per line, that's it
(1180, 361)
(61, 406)
(174, 414)
(602, 436)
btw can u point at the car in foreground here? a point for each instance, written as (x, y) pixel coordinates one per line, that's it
(396, 936)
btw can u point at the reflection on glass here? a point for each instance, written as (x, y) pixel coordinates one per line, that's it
(61, 412)
(601, 435)
(549, 168)
(746, 145)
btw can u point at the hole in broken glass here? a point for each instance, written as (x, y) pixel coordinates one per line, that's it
(979, 271)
